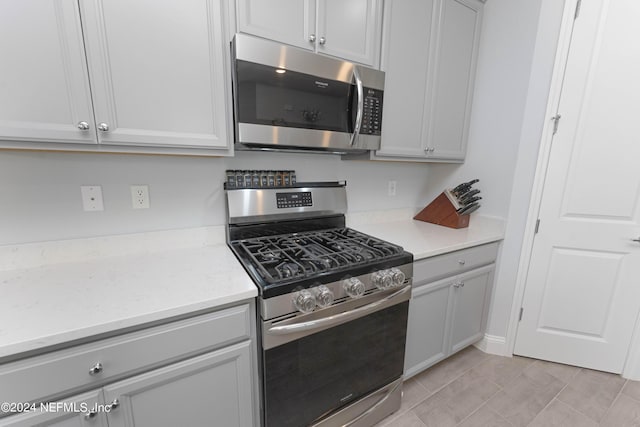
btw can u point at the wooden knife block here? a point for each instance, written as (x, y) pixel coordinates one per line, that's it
(442, 211)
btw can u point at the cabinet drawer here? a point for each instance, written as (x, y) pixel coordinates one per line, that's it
(434, 268)
(53, 373)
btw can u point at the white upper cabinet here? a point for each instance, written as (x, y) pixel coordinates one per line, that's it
(350, 29)
(405, 60)
(429, 56)
(44, 86)
(347, 29)
(157, 71)
(454, 74)
(120, 73)
(287, 21)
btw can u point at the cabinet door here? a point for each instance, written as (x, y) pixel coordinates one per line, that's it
(405, 60)
(454, 74)
(350, 29)
(44, 86)
(470, 307)
(286, 21)
(427, 327)
(77, 411)
(212, 389)
(158, 71)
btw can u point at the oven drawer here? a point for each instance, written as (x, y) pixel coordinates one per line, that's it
(69, 370)
(430, 269)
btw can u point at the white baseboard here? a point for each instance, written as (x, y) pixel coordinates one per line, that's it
(493, 344)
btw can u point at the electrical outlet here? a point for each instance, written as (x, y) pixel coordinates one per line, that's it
(140, 196)
(91, 197)
(392, 188)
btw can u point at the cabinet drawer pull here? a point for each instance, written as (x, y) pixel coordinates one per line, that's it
(97, 368)
(114, 405)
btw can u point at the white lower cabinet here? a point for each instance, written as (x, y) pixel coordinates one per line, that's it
(449, 314)
(75, 411)
(213, 389)
(146, 378)
(426, 337)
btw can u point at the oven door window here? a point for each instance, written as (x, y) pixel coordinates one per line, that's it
(276, 97)
(307, 378)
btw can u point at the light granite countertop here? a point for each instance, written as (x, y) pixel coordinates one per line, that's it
(112, 283)
(52, 293)
(423, 239)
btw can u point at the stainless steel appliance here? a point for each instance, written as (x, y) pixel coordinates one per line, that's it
(288, 98)
(333, 306)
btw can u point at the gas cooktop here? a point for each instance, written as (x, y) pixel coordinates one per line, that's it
(295, 238)
(281, 259)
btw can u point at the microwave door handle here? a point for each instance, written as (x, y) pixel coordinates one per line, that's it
(359, 111)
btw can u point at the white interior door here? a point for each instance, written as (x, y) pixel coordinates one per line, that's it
(582, 294)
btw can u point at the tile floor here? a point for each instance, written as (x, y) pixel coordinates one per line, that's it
(473, 389)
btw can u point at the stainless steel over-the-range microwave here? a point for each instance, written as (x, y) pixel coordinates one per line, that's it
(289, 98)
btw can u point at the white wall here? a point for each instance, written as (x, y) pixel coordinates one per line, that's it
(40, 191)
(532, 123)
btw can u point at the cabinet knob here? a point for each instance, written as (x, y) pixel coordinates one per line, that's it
(96, 369)
(461, 262)
(322, 40)
(458, 285)
(312, 38)
(90, 415)
(114, 405)
(636, 240)
(103, 127)
(83, 125)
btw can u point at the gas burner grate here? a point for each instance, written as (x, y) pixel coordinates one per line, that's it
(289, 257)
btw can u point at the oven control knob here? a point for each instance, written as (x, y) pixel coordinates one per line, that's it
(397, 277)
(304, 301)
(382, 279)
(353, 287)
(324, 296)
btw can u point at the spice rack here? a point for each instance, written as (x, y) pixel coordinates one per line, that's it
(259, 178)
(443, 211)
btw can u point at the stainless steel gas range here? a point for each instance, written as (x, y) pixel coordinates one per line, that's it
(332, 308)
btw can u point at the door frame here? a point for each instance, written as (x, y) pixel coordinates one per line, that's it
(631, 368)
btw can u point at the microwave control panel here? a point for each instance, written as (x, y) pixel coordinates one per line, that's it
(372, 112)
(293, 200)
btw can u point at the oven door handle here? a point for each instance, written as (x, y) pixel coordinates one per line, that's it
(359, 111)
(340, 317)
